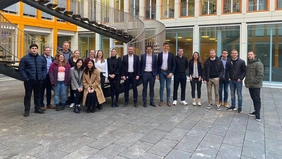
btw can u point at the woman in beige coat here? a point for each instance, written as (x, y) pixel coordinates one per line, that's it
(92, 87)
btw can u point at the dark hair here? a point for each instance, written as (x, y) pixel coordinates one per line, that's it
(33, 45)
(165, 43)
(225, 50)
(196, 52)
(149, 46)
(86, 70)
(75, 66)
(179, 49)
(57, 59)
(252, 52)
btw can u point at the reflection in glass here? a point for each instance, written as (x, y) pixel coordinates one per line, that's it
(187, 7)
(167, 9)
(231, 6)
(119, 8)
(134, 8)
(150, 9)
(208, 7)
(279, 4)
(257, 5)
(86, 43)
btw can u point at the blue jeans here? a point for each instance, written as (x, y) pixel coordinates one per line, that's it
(233, 86)
(163, 78)
(223, 84)
(60, 92)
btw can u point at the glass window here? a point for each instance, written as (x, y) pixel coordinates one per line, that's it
(180, 38)
(29, 11)
(187, 8)
(105, 46)
(86, 43)
(279, 4)
(150, 9)
(12, 9)
(134, 7)
(219, 38)
(119, 11)
(105, 8)
(268, 49)
(231, 6)
(92, 10)
(167, 9)
(208, 7)
(257, 5)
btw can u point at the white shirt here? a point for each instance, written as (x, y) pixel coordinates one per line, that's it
(130, 63)
(149, 62)
(102, 67)
(165, 59)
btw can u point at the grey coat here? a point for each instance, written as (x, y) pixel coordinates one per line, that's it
(254, 74)
(76, 78)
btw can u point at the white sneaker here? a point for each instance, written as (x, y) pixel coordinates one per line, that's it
(199, 103)
(194, 102)
(174, 102)
(209, 106)
(184, 102)
(218, 107)
(72, 105)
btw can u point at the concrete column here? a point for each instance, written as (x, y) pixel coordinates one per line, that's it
(244, 6)
(219, 43)
(49, 42)
(271, 6)
(74, 41)
(196, 38)
(243, 41)
(158, 10)
(219, 7)
(86, 9)
(126, 6)
(142, 8)
(125, 46)
(176, 9)
(196, 9)
(98, 44)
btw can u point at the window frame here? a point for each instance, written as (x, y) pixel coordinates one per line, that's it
(276, 5)
(253, 11)
(200, 13)
(151, 7)
(179, 9)
(231, 6)
(161, 11)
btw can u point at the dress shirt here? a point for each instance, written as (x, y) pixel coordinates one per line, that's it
(148, 64)
(102, 67)
(130, 63)
(165, 61)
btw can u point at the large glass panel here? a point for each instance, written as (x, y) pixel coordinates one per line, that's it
(119, 11)
(13, 9)
(92, 10)
(208, 7)
(150, 9)
(61, 39)
(86, 43)
(231, 6)
(134, 8)
(279, 4)
(29, 11)
(257, 5)
(105, 41)
(180, 38)
(167, 9)
(219, 38)
(187, 8)
(268, 49)
(105, 8)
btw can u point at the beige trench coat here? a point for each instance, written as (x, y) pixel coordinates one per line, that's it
(94, 82)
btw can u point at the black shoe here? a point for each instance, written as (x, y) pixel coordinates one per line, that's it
(135, 105)
(125, 104)
(116, 104)
(153, 104)
(39, 111)
(26, 114)
(253, 113)
(231, 108)
(63, 107)
(57, 107)
(258, 117)
(76, 109)
(113, 105)
(145, 105)
(100, 106)
(239, 110)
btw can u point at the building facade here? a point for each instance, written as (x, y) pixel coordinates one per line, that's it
(194, 25)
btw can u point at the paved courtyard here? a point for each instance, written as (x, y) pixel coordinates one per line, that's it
(179, 132)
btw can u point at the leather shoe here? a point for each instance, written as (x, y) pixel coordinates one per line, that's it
(135, 105)
(169, 104)
(26, 114)
(116, 104)
(153, 104)
(125, 104)
(161, 103)
(43, 108)
(39, 111)
(50, 107)
(145, 105)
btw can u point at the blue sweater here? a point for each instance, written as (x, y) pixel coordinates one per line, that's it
(33, 67)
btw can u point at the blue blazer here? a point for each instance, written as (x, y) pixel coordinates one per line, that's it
(170, 62)
(143, 64)
(136, 65)
(191, 68)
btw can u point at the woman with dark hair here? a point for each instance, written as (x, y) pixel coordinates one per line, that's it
(92, 88)
(195, 76)
(114, 69)
(102, 66)
(72, 62)
(76, 84)
(60, 76)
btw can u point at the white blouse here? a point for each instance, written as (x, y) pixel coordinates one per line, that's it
(102, 67)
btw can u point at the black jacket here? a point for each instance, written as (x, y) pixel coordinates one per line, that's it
(227, 69)
(114, 65)
(237, 70)
(136, 65)
(218, 68)
(170, 62)
(143, 64)
(191, 68)
(180, 72)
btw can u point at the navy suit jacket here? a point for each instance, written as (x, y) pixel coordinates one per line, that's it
(170, 62)
(136, 65)
(143, 64)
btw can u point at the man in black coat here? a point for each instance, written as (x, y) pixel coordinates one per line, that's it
(130, 74)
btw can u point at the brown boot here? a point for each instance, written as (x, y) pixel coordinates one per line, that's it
(168, 103)
(50, 107)
(220, 103)
(43, 108)
(226, 104)
(161, 103)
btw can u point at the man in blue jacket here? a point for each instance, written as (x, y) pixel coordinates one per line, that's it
(33, 71)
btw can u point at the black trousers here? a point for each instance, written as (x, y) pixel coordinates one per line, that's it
(176, 81)
(193, 83)
(130, 80)
(29, 86)
(102, 78)
(148, 78)
(91, 101)
(115, 84)
(78, 97)
(46, 85)
(255, 95)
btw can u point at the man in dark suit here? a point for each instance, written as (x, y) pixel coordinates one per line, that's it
(148, 71)
(130, 74)
(166, 67)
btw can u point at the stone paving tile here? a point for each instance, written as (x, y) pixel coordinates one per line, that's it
(253, 136)
(273, 135)
(188, 144)
(81, 153)
(104, 141)
(218, 130)
(273, 156)
(77, 143)
(254, 149)
(22, 156)
(273, 146)
(167, 126)
(18, 149)
(212, 141)
(111, 151)
(137, 150)
(235, 139)
(53, 154)
(150, 156)
(163, 147)
(154, 136)
(229, 152)
(176, 134)
(129, 139)
(176, 154)
(203, 152)
(144, 129)
(185, 124)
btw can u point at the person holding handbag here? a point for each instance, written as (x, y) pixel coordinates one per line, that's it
(93, 92)
(76, 84)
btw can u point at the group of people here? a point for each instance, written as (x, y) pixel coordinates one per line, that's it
(86, 78)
